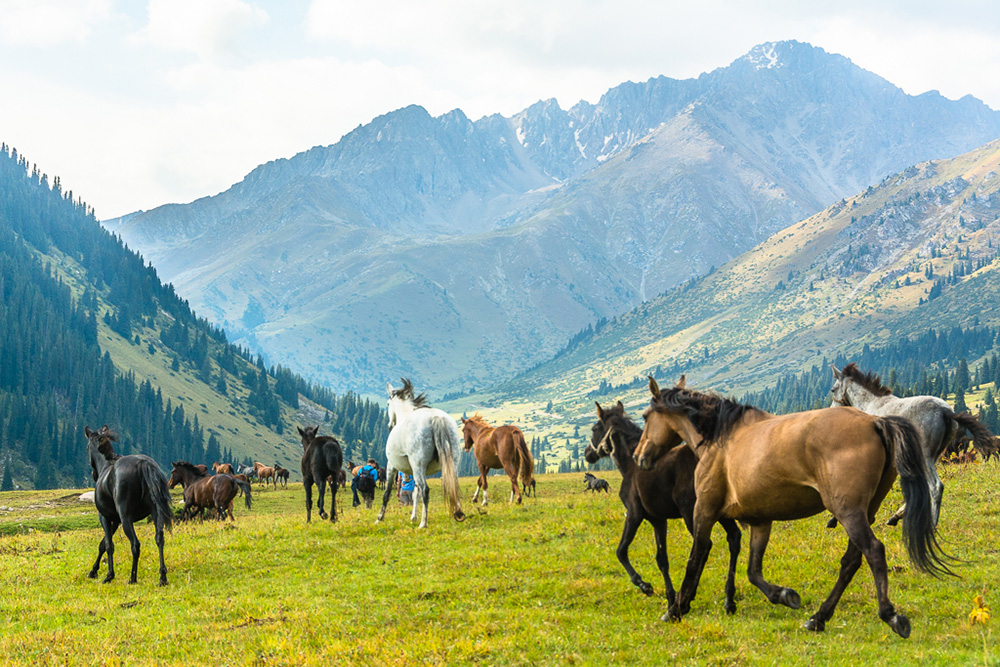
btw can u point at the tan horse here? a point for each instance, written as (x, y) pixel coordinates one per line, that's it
(759, 468)
(500, 447)
(265, 473)
(222, 468)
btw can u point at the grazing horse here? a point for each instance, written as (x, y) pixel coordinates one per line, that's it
(664, 492)
(126, 489)
(202, 490)
(934, 419)
(223, 468)
(422, 441)
(282, 475)
(595, 484)
(758, 468)
(321, 459)
(500, 447)
(264, 473)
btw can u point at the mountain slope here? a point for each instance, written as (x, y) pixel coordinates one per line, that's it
(460, 252)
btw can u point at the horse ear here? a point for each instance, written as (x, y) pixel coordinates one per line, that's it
(654, 388)
(87, 431)
(600, 412)
(388, 388)
(682, 383)
(836, 374)
(621, 406)
(299, 429)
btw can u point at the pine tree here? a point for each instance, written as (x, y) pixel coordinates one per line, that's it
(8, 483)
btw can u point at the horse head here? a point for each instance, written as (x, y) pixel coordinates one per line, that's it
(664, 423)
(308, 434)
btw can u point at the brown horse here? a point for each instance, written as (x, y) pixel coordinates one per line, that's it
(264, 473)
(203, 491)
(759, 468)
(500, 447)
(281, 474)
(224, 468)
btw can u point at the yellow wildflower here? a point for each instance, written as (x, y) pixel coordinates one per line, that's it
(980, 612)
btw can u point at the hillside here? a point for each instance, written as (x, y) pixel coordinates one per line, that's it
(89, 335)
(461, 252)
(917, 251)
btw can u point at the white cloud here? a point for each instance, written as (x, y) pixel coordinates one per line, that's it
(208, 28)
(50, 22)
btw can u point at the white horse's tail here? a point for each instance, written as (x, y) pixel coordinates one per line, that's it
(445, 442)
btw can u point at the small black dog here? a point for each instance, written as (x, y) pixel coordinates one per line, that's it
(595, 484)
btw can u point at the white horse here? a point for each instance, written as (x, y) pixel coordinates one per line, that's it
(936, 422)
(423, 440)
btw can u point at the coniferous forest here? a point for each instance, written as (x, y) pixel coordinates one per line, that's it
(55, 379)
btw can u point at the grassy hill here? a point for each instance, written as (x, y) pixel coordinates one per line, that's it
(532, 584)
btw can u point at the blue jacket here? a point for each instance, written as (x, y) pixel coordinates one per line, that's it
(370, 469)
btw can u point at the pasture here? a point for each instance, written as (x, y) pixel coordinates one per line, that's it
(532, 584)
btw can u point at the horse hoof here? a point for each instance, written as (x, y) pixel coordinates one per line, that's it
(730, 608)
(790, 599)
(92, 574)
(163, 581)
(672, 615)
(107, 580)
(323, 515)
(645, 588)
(832, 523)
(814, 625)
(900, 625)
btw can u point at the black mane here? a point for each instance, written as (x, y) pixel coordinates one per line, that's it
(714, 417)
(870, 381)
(407, 393)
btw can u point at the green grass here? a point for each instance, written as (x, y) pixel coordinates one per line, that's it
(535, 584)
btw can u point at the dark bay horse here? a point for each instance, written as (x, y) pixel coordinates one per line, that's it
(322, 458)
(126, 489)
(281, 474)
(204, 491)
(500, 447)
(664, 492)
(759, 468)
(936, 422)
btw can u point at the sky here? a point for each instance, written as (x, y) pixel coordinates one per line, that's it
(137, 104)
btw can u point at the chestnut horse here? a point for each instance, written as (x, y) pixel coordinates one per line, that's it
(224, 468)
(665, 492)
(264, 473)
(500, 447)
(758, 468)
(207, 491)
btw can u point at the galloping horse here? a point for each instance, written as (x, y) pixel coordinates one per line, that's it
(281, 474)
(665, 492)
(208, 491)
(224, 468)
(760, 468)
(126, 489)
(936, 422)
(422, 441)
(264, 473)
(321, 459)
(595, 483)
(500, 447)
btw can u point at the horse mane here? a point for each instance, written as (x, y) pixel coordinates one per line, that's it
(870, 381)
(631, 430)
(478, 419)
(407, 393)
(191, 467)
(714, 417)
(104, 439)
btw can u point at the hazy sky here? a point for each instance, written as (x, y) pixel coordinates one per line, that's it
(139, 104)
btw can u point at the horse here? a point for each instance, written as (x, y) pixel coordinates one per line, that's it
(321, 458)
(422, 440)
(366, 487)
(595, 484)
(249, 471)
(934, 419)
(758, 468)
(126, 489)
(208, 491)
(264, 473)
(281, 474)
(664, 492)
(223, 468)
(500, 447)
(380, 482)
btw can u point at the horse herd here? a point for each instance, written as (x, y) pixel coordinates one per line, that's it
(740, 464)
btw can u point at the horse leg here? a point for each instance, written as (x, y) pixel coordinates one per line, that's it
(333, 502)
(511, 471)
(159, 546)
(701, 546)
(423, 490)
(733, 537)
(483, 484)
(321, 486)
(307, 483)
(662, 562)
(110, 526)
(760, 534)
(899, 514)
(129, 529)
(390, 474)
(632, 522)
(101, 549)
(849, 564)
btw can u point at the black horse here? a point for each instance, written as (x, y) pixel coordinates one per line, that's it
(321, 457)
(595, 484)
(665, 492)
(366, 487)
(126, 489)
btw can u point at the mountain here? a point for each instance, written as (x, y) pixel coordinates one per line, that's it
(90, 336)
(461, 252)
(913, 255)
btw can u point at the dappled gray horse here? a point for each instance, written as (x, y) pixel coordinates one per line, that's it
(936, 422)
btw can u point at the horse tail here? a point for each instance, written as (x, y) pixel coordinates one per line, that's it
(982, 439)
(156, 483)
(919, 532)
(447, 441)
(244, 488)
(527, 465)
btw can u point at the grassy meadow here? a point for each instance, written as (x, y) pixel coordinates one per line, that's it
(531, 584)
